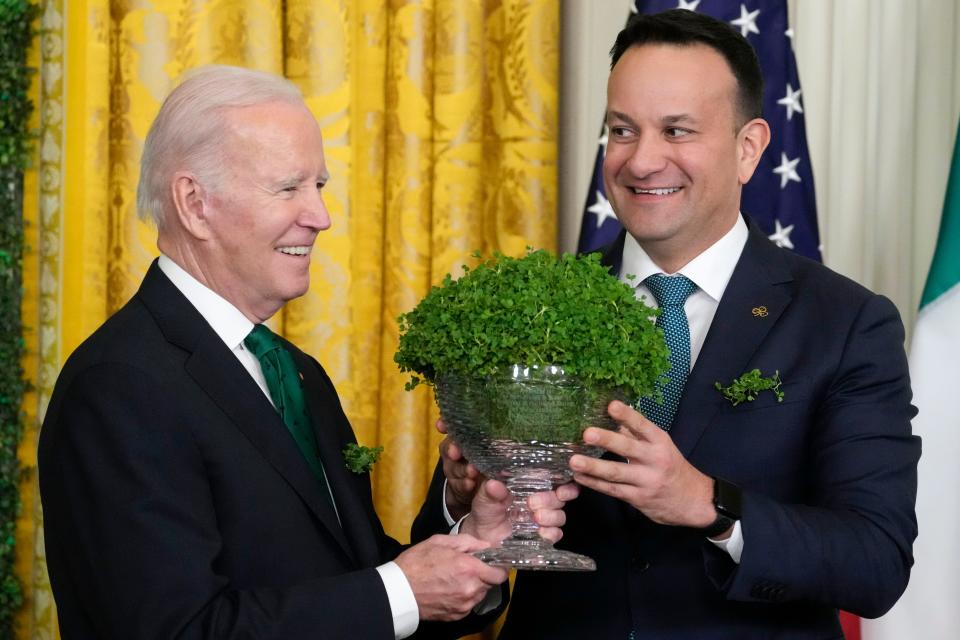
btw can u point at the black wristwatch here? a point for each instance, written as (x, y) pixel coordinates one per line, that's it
(727, 500)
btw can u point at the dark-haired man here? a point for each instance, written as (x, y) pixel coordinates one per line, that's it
(710, 519)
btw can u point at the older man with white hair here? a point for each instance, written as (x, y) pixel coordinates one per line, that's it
(191, 471)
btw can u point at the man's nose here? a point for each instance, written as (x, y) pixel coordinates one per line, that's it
(315, 214)
(648, 156)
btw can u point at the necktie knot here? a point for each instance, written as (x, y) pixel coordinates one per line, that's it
(670, 290)
(261, 341)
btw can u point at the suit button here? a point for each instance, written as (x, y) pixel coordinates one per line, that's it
(639, 564)
(761, 591)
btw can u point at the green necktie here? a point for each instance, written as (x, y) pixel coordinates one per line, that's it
(283, 381)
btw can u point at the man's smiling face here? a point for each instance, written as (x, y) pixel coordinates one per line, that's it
(267, 210)
(674, 164)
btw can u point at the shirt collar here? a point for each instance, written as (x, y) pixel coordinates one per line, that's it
(710, 271)
(225, 319)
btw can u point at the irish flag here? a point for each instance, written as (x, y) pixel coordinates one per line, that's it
(930, 608)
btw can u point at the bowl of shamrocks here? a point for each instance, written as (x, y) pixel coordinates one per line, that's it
(524, 354)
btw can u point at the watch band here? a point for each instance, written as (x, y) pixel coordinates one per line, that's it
(727, 500)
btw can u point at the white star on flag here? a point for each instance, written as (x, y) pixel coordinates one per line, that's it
(689, 5)
(602, 209)
(604, 138)
(633, 7)
(789, 34)
(787, 170)
(791, 101)
(781, 235)
(747, 21)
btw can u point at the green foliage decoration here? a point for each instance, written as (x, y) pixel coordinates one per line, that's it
(360, 459)
(747, 387)
(16, 32)
(535, 310)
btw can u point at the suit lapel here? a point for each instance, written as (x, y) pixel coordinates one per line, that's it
(348, 488)
(754, 299)
(221, 376)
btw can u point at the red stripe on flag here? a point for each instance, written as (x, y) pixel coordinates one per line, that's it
(851, 625)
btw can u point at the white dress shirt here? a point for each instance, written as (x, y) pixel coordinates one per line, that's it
(711, 272)
(232, 326)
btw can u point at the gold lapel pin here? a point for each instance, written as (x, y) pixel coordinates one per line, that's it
(760, 312)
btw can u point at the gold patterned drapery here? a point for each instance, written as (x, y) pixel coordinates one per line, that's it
(440, 128)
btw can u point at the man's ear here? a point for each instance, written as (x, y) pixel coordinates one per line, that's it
(191, 203)
(751, 141)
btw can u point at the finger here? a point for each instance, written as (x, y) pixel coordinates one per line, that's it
(441, 426)
(622, 444)
(550, 517)
(545, 500)
(492, 575)
(553, 534)
(556, 499)
(608, 470)
(628, 417)
(568, 492)
(613, 489)
(450, 450)
(463, 488)
(462, 542)
(463, 474)
(495, 490)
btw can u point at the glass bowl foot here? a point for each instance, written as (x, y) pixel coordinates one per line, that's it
(535, 557)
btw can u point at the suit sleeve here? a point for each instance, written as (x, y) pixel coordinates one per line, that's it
(430, 520)
(126, 490)
(849, 546)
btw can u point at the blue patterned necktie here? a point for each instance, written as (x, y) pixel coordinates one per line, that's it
(671, 293)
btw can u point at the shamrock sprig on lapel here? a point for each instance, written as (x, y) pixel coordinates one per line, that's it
(749, 385)
(360, 459)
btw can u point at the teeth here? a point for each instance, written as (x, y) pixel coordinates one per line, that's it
(657, 192)
(295, 251)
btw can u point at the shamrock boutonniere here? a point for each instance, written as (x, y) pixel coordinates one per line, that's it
(749, 385)
(360, 459)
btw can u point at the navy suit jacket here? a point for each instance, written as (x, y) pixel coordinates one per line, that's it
(829, 477)
(177, 505)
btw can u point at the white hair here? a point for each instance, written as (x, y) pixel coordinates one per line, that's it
(189, 130)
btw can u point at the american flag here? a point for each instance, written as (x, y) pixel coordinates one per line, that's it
(780, 196)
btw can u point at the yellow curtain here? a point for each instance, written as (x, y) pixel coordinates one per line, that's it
(440, 127)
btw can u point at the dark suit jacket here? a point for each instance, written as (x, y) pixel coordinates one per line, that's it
(177, 505)
(829, 477)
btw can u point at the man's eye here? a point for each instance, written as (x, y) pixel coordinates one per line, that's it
(677, 132)
(320, 186)
(619, 132)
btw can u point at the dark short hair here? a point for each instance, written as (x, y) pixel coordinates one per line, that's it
(684, 28)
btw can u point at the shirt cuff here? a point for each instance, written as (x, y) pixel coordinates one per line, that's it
(403, 604)
(490, 602)
(446, 512)
(732, 545)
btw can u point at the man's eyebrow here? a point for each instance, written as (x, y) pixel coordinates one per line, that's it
(680, 118)
(617, 115)
(667, 121)
(299, 178)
